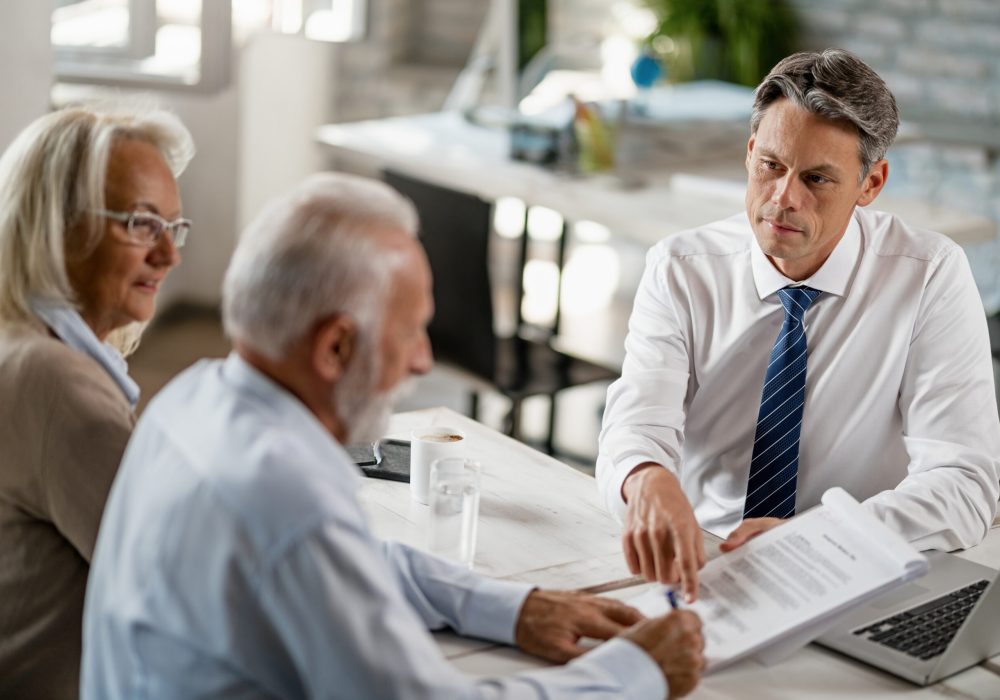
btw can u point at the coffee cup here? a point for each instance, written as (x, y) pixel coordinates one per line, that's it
(427, 445)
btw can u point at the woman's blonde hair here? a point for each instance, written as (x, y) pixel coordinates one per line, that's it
(52, 180)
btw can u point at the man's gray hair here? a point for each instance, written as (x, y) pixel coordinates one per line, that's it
(837, 85)
(313, 253)
(52, 180)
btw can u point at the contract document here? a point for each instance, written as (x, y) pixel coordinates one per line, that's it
(783, 588)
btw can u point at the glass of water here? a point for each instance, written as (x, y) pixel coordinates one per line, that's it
(454, 508)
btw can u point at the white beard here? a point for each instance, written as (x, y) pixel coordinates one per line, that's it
(364, 412)
(370, 419)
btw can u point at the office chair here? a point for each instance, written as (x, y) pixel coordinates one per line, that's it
(455, 231)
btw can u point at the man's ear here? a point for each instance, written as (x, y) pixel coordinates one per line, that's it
(750, 143)
(334, 345)
(874, 182)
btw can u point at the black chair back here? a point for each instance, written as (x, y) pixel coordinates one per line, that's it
(455, 232)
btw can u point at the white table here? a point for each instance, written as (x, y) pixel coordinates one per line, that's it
(541, 522)
(445, 149)
(812, 672)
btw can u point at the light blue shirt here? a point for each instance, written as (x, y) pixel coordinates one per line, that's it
(234, 561)
(66, 322)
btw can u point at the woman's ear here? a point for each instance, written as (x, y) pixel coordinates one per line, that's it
(334, 346)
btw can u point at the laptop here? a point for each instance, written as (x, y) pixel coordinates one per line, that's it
(927, 630)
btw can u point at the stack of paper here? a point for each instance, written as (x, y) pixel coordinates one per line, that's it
(787, 586)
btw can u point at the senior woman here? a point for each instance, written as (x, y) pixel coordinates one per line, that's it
(90, 224)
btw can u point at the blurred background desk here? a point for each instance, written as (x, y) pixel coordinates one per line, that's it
(541, 522)
(446, 149)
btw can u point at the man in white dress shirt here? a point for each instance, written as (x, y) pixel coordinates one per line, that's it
(884, 385)
(234, 559)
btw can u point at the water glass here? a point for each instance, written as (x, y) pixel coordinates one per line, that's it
(454, 508)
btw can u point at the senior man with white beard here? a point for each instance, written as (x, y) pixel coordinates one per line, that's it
(234, 559)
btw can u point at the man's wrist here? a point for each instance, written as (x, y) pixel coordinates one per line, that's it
(634, 479)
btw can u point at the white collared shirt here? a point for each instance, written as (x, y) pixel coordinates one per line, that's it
(234, 560)
(900, 406)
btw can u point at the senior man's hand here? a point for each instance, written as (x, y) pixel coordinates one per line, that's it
(552, 623)
(662, 540)
(675, 643)
(747, 530)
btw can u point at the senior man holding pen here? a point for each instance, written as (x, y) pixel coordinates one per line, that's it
(235, 558)
(804, 344)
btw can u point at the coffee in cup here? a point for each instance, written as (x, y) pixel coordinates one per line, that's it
(452, 437)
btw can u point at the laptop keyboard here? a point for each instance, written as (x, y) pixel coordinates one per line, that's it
(926, 630)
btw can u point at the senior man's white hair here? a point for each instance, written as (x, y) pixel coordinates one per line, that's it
(311, 254)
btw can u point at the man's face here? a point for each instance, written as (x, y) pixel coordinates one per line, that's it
(376, 379)
(404, 348)
(803, 186)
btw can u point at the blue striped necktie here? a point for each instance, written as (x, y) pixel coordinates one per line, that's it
(775, 461)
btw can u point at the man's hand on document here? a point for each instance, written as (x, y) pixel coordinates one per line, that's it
(747, 530)
(662, 540)
(551, 623)
(675, 643)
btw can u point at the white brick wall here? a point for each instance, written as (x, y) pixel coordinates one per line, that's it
(977, 10)
(960, 35)
(906, 7)
(880, 27)
(411, 57)
(829, 20)
(569, 20)
(907, 88)
(941, 58)
(924, 62)
(444, 31)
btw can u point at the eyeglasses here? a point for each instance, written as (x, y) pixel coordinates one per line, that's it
(145, 227)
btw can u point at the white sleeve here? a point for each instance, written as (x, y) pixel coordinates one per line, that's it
(446, 595)
(950, 426)
(644, 416)
(349, 631)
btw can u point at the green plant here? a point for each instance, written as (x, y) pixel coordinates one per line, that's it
(532, 21)
(734, 40)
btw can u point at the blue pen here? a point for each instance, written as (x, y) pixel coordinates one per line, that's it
(672, 597)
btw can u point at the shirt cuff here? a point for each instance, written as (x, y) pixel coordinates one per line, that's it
(493, 608)
(616, 504)
(633, 669)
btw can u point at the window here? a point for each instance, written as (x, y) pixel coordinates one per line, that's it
(182, 44)
(323, 20)
(148, 43)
